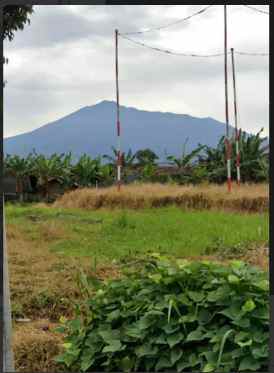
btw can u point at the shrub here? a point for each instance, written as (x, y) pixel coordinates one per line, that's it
(181, 316)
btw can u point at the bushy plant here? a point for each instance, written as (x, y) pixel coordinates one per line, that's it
(181, 316)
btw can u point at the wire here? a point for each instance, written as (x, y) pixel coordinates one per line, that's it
(171, 52)
(170, 24)
(252, 54)
(256, 9)
(189, 54)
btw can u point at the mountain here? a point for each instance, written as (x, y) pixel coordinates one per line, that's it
(92, 130)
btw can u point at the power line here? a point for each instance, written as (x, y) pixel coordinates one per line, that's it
(251, 54)
(256, 9)
(171, 52)
(167, 51)
(170, 24)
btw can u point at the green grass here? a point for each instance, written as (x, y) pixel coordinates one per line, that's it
(121, 234)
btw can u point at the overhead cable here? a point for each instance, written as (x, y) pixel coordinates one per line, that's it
(256, 9)
(167, 51)
(170, 24)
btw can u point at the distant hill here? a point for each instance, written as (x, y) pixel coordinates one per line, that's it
(92, 130)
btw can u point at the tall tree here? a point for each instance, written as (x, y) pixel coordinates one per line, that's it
(146, 156)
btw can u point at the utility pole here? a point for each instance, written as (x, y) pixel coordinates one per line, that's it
(119, 155)
(237, 132)
(227, 142)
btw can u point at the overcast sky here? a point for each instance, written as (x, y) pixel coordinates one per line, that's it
(64, 60)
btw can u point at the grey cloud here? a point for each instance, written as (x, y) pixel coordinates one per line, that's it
(54, 82)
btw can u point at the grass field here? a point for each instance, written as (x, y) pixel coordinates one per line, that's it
(48, 246)
(128, 233)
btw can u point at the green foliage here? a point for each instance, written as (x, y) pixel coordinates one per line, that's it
(86, 171)
(254, 160)
(15, 18)
(54, 167)
(186, 159)
(146, 156)
(181, 316)
(148, 171)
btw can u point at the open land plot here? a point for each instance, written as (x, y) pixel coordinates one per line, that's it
(48, 246)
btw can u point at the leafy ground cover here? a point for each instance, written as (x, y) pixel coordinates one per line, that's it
(197, 316)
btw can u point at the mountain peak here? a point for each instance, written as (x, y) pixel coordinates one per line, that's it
(91, 130)
(105, 103)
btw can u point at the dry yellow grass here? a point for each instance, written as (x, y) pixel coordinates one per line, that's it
(35, 345)
(41, 283)
(248, 197)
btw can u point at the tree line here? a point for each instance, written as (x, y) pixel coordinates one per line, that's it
(203, 164)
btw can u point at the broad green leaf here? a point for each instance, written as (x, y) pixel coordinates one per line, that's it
(146, 350)
(114, 315)
(145, 323)
(249, 363)
(209, 368)
(134, 332)
(75, 325)
(87, 363)
(232, 279)
(196, 296)
(260, 352)
(163, 363)
(194, 360)
(173, 339)
(248, 306)
(175, 355)
(182, 364)
(161, 339)
(127, 364)
(60, 329)
(196, 335)
(190, 318)
(109, 335)
(171, 328)
(263, 285)
(182, 298)
(204, 316)
(113, 346)
(156, 278)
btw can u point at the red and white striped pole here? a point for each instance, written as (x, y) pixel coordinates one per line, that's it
(227, 142)
(237, 132)
(119, 155)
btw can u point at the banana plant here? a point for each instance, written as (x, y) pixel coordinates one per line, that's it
(87, 170)
(19, 168)
(127, 158)
(254, 160)
(47, 169)
(185, 159)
